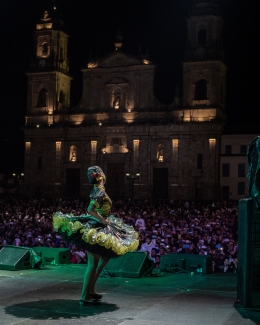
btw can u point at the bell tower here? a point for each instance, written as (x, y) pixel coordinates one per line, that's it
(204, 72)
(48, 78)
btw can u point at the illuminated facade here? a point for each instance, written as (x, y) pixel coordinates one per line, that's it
(234, 165)
(119, 125)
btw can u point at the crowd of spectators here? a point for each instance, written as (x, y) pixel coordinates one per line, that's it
(28, 223)
(164, 227)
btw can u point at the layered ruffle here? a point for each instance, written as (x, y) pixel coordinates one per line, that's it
(117, 236)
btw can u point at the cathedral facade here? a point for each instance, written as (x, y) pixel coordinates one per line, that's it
(146, 149)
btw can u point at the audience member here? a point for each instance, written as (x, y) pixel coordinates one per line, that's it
(148, 245)
(164, 227)
(139, 223)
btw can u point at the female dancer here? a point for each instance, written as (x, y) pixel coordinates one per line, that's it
(103, 236)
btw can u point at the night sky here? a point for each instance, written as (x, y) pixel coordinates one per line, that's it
(156, 26)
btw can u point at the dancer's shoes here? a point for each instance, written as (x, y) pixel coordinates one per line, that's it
(89, 302)
(95, 296)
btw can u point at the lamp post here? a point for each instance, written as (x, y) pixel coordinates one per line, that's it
(132, 178)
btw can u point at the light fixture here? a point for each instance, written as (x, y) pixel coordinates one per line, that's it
(132, 178)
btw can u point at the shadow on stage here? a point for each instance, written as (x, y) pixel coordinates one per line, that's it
(56, 309)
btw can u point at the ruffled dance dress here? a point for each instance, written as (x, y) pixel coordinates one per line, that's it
(88, 233)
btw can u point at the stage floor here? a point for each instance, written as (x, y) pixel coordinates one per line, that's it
(50, 296)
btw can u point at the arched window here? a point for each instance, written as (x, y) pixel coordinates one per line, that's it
(73, 153)
(160, 152)
(202, 36)
(42, 99)
(61, 97)
(201, 90)
(44, 48)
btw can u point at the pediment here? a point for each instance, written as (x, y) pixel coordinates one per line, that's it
(118, 59)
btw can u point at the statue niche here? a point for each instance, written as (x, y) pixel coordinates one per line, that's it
(160, 152)
(73, 153)
(116, 93)
(117, 102)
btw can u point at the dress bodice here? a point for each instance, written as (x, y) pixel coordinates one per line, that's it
(96, 237)
(101, 200)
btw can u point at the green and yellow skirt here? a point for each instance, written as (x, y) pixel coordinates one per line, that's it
(87, 233)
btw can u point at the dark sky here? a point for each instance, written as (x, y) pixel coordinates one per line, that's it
(156, 25)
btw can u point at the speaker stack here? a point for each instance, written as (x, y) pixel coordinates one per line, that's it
(14, 258)
(51, 255)
(130, 265)
(198, 264)
(248, 288)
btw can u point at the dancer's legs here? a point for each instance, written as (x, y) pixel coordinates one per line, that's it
(90, 275)
(101, 264)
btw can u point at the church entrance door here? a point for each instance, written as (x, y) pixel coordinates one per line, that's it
(73, 182)
(115, 180)
(160, 183)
